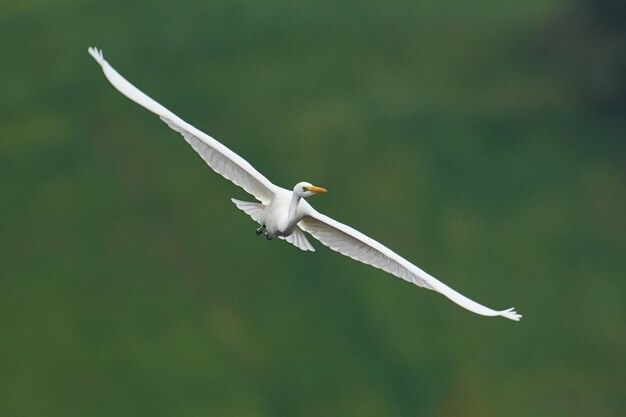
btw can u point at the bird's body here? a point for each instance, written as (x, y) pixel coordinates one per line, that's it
(285, 213)
(281, 216)
(287, 209)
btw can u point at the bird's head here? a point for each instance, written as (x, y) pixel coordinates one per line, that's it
(306, 189)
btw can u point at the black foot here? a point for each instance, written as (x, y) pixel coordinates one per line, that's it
(260, 230)
(268, 236)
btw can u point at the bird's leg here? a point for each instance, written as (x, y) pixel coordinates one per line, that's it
(262, 229)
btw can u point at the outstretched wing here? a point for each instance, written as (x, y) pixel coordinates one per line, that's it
(221, 159)
(356, 245)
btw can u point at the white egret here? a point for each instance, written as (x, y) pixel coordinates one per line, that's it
(286, 213)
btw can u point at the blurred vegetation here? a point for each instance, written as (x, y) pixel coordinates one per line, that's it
(483, 140)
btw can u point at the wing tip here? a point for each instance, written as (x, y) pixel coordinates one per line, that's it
(96, 54)
(511, 314)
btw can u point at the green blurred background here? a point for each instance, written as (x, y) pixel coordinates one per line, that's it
(483, 140)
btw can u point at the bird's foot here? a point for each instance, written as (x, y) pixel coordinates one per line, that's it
(260, 230)
(268, 236)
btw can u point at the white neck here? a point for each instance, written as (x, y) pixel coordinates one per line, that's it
(293, 206)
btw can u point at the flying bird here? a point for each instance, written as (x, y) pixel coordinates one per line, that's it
(285, 213)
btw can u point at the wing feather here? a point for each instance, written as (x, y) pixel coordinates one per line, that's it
(221, 159)
(354, 244)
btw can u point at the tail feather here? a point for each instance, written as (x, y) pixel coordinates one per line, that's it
(254, 210)
(299, 240)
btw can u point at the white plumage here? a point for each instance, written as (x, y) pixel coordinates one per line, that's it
(286, 214)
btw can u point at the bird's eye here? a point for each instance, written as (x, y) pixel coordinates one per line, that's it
(303, 188)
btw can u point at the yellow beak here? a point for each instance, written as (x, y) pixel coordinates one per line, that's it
(315, 189)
